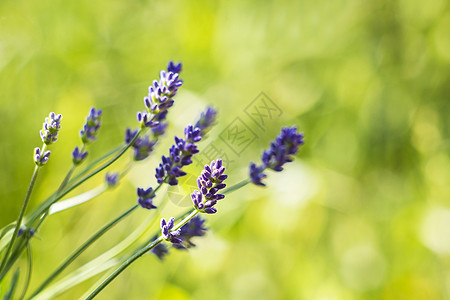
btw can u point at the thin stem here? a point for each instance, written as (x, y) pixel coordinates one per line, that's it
(104, 261)
(237, 186)
(83, 247)
(52, 200)
(30, 268)
(80, 250)
(22, 212)
(135, 256)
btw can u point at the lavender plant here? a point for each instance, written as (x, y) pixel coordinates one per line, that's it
(175, 232)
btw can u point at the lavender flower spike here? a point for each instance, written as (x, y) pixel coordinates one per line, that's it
(210, 182)
(78, 156)
(280, 152)
(145, 197)
(167, 233)
(180, 154)
(50, 128)
(195, 227)
(41, 158)
(91, 127)
(206, 120)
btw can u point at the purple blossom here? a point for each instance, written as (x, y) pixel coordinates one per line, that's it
(92, 125)
(210, 182)
(27, 231)
(129, 135)
(161, 92)
(160, 250)
(50, 128)
(146, 119)
(280, 152)
(195, 227)
(257, 174)
(78, 156)
(112, 178)
(41, 158)
(143, 146)
(145, 197)
(160, 129)
(206, 120)
(180, 154)
(167, 233)
(174, 68)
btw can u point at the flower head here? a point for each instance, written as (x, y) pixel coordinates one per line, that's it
(167, 233)
(146, 119)
(145, 197)
(112, 178)
(78, 156)
(92, 125)
(210, 182)
(41, 158)
(195, 227)
(174, 68)
(143, 146)
(280, 152)
(206, 120)
(180, 154)
(257, 174)
(50, 128)
(160, 250)
(161, 92)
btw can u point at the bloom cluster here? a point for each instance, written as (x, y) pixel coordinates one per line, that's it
(280, 152)
(195, 227)
(167, 233)
(210, 182)
(142, 146)
(41, 159)
(145, 197)
(50, 128)
(160, 98)
(180, 154)
(206, 120)
(91, 127)
(78, 155)
(112, 178)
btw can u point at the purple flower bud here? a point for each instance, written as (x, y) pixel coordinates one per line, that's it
(180, 155)
(167, 233)
(78, 157)
(280, 152)
(39, 158)
(145, 197)
(174, 68)
(50, 128)
(210, 183)
(112, 178)
(92, 125)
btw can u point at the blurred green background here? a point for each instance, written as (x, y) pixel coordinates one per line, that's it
(363, 212)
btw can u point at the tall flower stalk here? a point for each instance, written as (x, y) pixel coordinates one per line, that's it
(49, 135)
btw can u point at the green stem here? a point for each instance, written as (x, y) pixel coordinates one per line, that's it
(237, 186)
(30, 268)
(83, 247)
(135, 256)
(22, 212)
(71, 187)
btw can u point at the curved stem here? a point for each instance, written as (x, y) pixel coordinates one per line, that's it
(83, 247)
(135, 256)
(21, 214)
